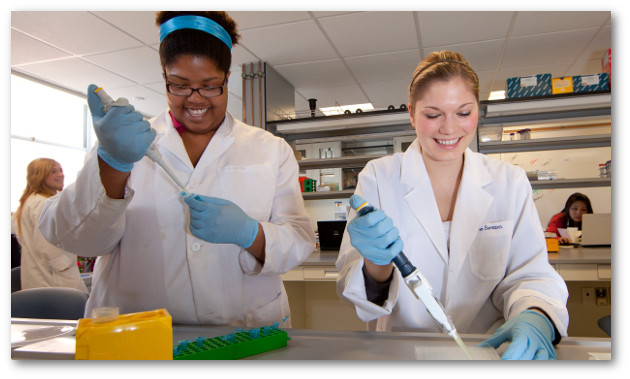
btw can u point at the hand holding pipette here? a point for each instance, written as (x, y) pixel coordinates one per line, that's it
(383, 254)
(124, 137)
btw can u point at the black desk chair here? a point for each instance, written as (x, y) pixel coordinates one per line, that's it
(49, 303)
(16, 279)
(604, 324)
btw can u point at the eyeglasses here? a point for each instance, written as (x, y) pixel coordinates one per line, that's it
(179, 90)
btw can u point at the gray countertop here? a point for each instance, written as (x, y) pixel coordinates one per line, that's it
(569, 254)
(316, 344)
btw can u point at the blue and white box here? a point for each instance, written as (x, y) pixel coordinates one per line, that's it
(529, 86)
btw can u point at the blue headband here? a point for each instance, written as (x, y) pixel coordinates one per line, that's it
(198, 23)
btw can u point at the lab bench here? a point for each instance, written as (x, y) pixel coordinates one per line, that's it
(314, 344)
(572, 263)
(315, 304)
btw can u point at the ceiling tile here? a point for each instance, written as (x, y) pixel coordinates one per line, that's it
(599, 46)
(25, 49)
(82, 74)
(369, 69)
(471, 27)
(140, 25)
(371, 32)
(61, 30)
(256, 19)
(481, 55)
(549, 48)
(319, 74)
(585, 67)
(240, 56)
(141, 65)
(288, 43)
(545, 22)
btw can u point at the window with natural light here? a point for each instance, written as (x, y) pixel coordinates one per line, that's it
(46, 123)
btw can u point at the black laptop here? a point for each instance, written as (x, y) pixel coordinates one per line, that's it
(330, 234)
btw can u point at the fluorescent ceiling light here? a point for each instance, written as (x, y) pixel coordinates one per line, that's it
(497, 95)
(339, 109)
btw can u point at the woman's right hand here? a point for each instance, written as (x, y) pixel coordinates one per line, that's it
(374, 234)
(123, 135)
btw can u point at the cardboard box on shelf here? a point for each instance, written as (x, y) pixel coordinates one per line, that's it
(529, 86)
(591, 83)
(562, 85)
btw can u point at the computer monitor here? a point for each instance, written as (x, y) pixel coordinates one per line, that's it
(330, 234)
(596, 229)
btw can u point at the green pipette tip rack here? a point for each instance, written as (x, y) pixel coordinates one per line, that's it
(232, 346)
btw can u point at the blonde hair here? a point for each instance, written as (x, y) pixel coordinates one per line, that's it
(36, 173)
(441, 66)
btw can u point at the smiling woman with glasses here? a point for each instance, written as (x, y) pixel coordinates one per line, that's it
(215, 255)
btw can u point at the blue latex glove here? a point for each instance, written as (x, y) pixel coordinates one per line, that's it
(123, 136)
(531, 334)
(220, 221)
(374, 234)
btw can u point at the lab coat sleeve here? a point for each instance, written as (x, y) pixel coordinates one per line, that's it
(55, 257)
(530, 281)
(350, 282)
(289, 236)
(82, 219)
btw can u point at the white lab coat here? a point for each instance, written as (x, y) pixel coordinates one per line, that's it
(43, 264)
(148, 259)
(497, 264)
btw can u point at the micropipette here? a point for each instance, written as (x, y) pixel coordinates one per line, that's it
(422, 290)
(153, 153)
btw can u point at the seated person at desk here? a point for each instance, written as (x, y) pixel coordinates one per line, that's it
(213, 256)
(467, 221)
(571, 216)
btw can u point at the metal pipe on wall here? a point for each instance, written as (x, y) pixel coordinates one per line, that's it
(244, 77)
(260, 119)
(251, 68)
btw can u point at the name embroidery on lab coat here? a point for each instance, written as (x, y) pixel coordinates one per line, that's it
(486, 227)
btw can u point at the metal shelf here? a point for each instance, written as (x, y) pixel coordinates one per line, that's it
(344, 194)
(352, 161)
(562, 143)
(570, 183)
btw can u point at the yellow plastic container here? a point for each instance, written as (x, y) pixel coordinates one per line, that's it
(139, 336)
(552, 245)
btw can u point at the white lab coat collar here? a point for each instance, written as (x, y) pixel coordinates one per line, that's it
(418, 193)
(168, 138)
(473, 201)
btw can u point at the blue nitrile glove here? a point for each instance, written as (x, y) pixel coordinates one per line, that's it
(531, 334)
(123, 136)
(220, 221)
(374, 234)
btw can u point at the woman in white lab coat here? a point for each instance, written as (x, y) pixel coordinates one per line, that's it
(214, 256)
(466, 221)
(42, 264)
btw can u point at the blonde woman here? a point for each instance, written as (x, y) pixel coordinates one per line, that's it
(43, 264)
(467, 221)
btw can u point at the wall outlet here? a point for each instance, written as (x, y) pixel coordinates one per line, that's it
(588, 296)
(601, 295)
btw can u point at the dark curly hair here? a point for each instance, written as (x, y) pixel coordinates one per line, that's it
(196, 42)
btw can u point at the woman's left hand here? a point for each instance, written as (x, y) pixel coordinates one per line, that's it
(220, 221)
(531, 335)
